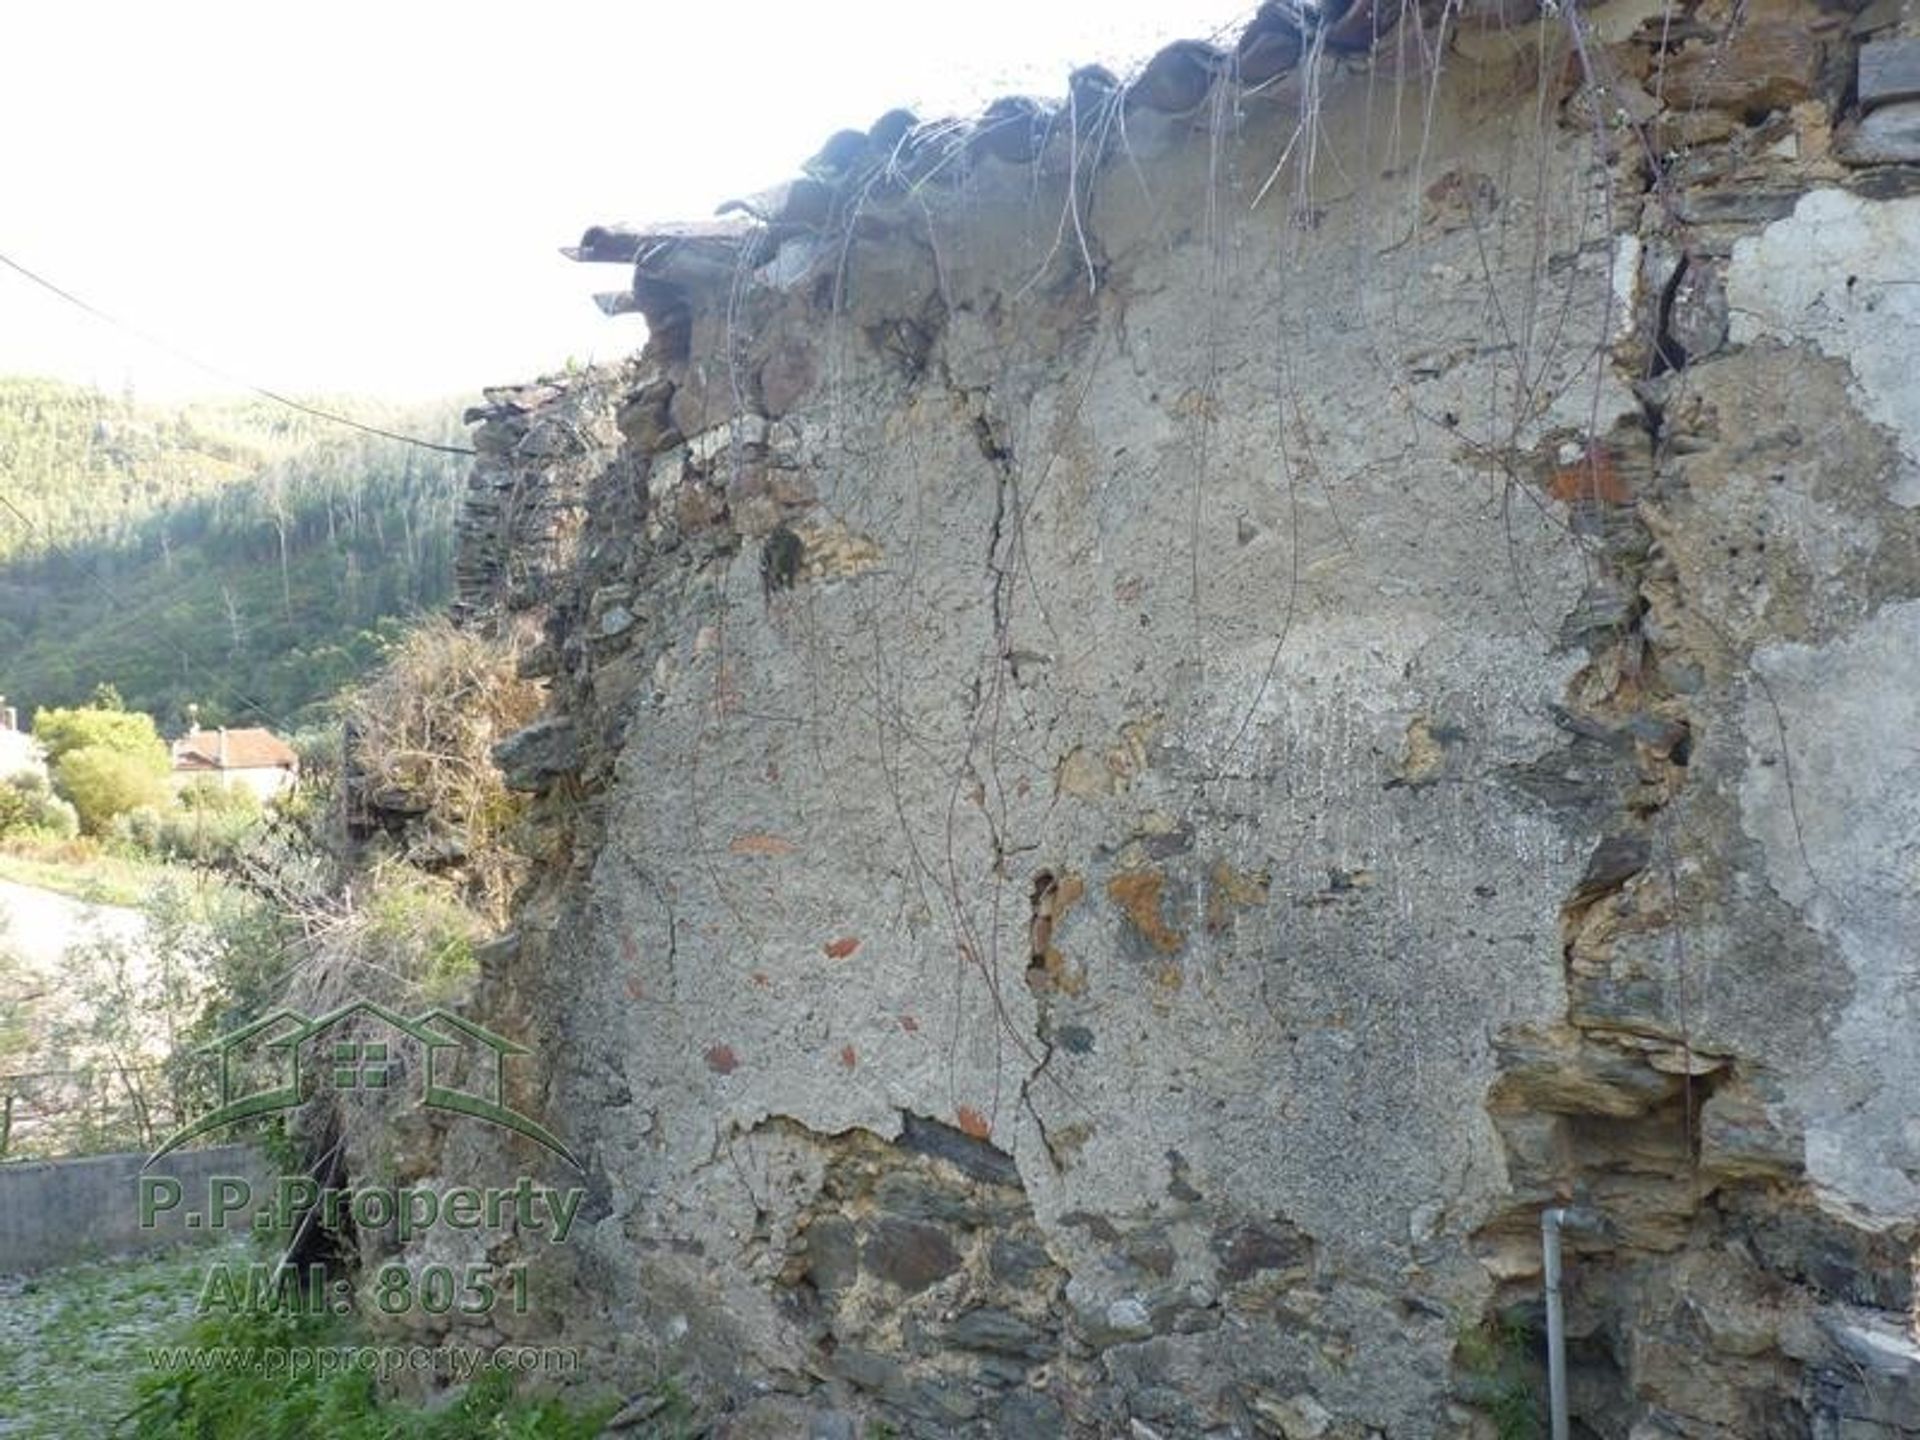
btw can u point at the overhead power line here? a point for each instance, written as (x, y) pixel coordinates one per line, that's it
(275, 396)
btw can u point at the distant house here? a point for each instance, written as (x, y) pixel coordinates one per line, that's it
(257, 760)
(19, 751)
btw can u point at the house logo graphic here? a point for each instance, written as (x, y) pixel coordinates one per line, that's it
(291, 1045)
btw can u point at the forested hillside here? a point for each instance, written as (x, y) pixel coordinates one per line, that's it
(236, 554)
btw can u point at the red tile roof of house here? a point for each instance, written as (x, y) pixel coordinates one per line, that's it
(244, 750)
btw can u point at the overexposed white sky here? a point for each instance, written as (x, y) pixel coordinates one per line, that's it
(369, 197)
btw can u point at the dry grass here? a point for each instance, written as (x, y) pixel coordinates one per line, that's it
(399, 917)
(430, 866)
(80, 868)
(421, 737)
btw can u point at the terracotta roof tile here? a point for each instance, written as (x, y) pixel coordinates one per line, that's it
(245, 750)
(856, 170)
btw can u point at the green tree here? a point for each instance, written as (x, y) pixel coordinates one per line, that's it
(104, 761)
(128, 732)
(102, 782)
(233, 554)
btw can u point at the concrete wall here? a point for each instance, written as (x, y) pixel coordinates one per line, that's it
(264, 782)
(53, 1212)
(1157, 756)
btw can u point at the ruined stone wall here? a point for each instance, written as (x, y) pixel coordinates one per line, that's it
(1168, 731)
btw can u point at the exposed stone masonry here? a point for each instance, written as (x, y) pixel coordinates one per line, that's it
(1171, 721)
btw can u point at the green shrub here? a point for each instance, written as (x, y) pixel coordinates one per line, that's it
(207, 793)
(13, 809)
(129, 732)
(248, 945)
(102, 782)
(418, 928)
(318, 747)
(29, 807)
(137, 830)
(57, 818)
(1498, 1362)
(29, 783)
(206, 837)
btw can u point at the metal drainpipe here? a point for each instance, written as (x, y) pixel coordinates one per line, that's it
(1550, 1222)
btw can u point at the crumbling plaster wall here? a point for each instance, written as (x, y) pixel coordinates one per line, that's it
(1231, 748)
